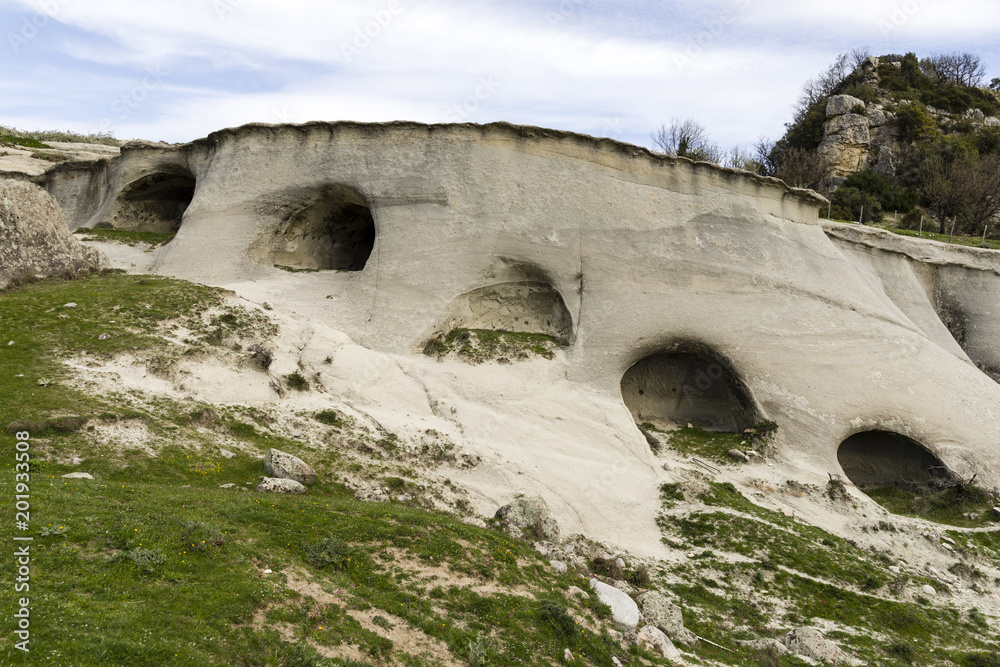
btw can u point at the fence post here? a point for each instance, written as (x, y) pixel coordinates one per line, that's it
(921, 233)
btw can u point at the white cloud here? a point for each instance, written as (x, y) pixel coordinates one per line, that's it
(600, 67)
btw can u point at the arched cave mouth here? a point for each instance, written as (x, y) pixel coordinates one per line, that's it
(336, 231)
(154, 203)
(692, 385)
(882, 459)
(528, 306)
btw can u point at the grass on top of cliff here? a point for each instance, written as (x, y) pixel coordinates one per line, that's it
(34, 138)
(155, 563)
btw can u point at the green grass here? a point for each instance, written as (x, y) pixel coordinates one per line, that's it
(949, 506)
(927, 233)
(828, 578)
(694, 441)
(153, 239)
(15, 140)
(481, 345)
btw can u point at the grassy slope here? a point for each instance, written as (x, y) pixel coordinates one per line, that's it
(154, 563)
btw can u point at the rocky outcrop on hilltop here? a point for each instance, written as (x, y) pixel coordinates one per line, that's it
(864, 133)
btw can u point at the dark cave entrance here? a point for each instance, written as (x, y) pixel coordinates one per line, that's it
(880, 459)
(154, 203)
(691, 386)
(334, 232)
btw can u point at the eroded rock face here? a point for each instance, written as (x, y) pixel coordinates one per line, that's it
(824, 334)
(35, 242)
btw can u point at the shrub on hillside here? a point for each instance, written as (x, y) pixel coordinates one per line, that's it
(915, 123)
(852, 204)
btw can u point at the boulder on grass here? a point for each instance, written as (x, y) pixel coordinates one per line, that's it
(660, 611)
(35, 241)
(285, 466)
(533, 514)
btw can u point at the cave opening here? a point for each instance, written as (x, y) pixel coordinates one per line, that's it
(154, 203)
(336, 231)
(692, 385)
(881, 459)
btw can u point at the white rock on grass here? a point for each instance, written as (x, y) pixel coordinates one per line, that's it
(927, 589)
(277, 485)
(567, 655)
(78, 475)
(624, 610)
(284, 465)
(658, 642)
(559, 566)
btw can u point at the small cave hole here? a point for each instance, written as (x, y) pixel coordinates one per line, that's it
(680, 388)
(881, 459)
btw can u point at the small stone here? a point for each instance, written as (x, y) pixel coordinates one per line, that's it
(104, 336)
(541, 548)
(186, 486)
(226, 454)
(226, 486)
(267, 571)
(372, 494)
(657, 642)
(276, 485)
(69, 305)
(297, 434)
(578, 592)
(737, 455)
(78, 475)
(894, 569)
(947, 547)
(404, 498)
(567, 655)
(945, 538)
(997, 510)
(620, 563)
(972, 516)
(10, 343)
(666, 466)
(559, 566)
(928, 590)
(616, 662)
(570, 549)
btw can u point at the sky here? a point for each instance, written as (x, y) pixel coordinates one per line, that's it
(176, 70)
